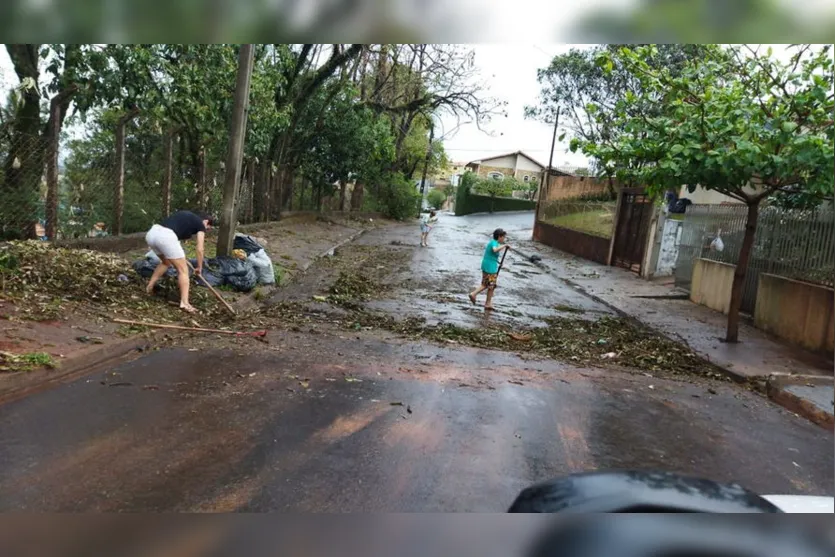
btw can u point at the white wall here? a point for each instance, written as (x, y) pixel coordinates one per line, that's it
(527, 164)
(500, 162)
(702, 196)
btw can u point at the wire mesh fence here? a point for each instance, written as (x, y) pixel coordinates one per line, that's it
(88, 187)
(796, 244)
(591, 217)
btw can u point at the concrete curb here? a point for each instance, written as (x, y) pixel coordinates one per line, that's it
(775, 389)
(25, 384)
(330, 252)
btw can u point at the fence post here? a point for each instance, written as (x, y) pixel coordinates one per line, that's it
(615, 227)
(166, 179)
(52, 172)
(119, 201)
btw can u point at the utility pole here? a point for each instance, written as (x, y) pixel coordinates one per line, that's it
(426, 163)
(544, 185)
(234, 155)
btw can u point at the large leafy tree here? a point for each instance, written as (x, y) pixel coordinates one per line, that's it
(585, 92)
(54, 74)
(737, 121)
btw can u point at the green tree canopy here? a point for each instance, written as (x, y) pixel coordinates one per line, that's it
(736, 120)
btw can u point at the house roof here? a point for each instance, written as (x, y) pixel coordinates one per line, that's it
(522, 153)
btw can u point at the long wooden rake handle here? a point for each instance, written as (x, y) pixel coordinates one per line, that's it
(196, 329)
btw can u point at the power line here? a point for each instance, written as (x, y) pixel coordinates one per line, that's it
(508, 150)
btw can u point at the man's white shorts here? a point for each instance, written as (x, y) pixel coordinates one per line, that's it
(165, 243)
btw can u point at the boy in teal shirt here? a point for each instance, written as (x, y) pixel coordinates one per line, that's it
(490, 267)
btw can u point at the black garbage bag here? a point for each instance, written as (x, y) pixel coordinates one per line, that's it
(211, 277)
(246, 243)
(145, 268)
(234, 272)
(680, 206)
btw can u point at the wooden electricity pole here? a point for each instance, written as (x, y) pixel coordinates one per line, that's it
(543, 187)
(234, 156)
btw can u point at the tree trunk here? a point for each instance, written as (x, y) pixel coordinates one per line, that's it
(280, 179)
(235, 151)
(202, 179)
(166, 179)
(250, 214)
(23, 167)
(119, 194)
(342, 187)
(356, 196)
(319, 198)
(287, 182)
(261, 193)
(52, 175)
(738, 287)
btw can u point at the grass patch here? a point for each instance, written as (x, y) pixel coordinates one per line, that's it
(258, 294)
(596, 223)
(25, 362)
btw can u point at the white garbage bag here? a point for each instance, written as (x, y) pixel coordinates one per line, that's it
(152, 257)
(263, 266)
(717, 244)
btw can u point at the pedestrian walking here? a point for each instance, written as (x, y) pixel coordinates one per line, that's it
(490, 267)
(164, 239)
(427, 222)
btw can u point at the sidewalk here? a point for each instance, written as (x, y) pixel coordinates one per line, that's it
(661, 306)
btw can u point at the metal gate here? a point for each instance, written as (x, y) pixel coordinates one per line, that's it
(695, 237)
(633, 220)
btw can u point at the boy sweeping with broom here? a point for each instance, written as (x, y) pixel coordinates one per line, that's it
(490, 267)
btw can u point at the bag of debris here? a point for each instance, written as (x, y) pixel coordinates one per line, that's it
(213, 278)
(717, 244)
(153, 257)
(680, 206)
(145, 268)
(246, 243)
(263, 266)
(239, 274)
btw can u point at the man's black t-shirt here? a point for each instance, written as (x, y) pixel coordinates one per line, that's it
(185, 224)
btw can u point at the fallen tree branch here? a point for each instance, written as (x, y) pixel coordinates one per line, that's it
(195, 329)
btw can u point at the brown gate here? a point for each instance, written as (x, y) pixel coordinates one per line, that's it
(634, 216)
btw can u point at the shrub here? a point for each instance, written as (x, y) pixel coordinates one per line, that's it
(436, 198)
(399, 200)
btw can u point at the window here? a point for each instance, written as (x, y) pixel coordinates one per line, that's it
(526, 178)
(496, 175)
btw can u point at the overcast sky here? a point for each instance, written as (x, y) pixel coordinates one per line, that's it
(510, 69)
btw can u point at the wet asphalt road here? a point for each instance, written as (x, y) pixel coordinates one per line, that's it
(327, 421)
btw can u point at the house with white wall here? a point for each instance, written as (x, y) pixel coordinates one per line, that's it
(517, 164)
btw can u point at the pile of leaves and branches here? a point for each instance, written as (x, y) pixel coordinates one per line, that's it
(47, 283)
(351, 288)
(607, 341)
